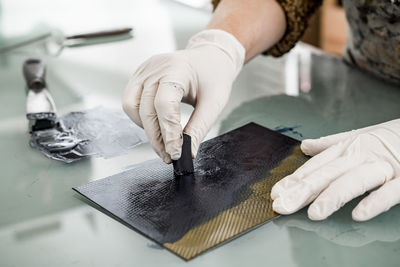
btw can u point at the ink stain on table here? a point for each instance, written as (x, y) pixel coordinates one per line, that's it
(154, 246)
(287, 129)
(228, 194)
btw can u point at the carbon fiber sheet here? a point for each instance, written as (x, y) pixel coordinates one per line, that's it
(228, 195)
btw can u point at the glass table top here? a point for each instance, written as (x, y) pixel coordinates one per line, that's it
(44, 223)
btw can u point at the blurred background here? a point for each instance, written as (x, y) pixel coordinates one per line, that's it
(328, 28)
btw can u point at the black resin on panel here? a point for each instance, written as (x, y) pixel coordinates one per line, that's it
(165, 207)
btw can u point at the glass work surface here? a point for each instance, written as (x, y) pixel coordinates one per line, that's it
(44, 223)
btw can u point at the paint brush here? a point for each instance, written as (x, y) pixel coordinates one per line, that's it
(48, 133)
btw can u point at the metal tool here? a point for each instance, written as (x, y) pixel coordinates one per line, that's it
(96, 132)
(40, 106)
(53, 42)
(56, 45)
(47, 132)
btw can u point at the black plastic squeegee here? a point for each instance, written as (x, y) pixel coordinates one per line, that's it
(184, 165)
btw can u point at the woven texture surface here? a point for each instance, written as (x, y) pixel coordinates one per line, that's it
(228, 195)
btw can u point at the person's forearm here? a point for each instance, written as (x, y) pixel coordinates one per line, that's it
(257, 24)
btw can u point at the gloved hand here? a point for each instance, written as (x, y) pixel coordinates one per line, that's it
(345, 166)
(200, 75)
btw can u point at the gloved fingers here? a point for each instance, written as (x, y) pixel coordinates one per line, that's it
(131, 100)
(167, 105)
(307, 168)
(378, 201)
(203, 117)
(299, 195)
(150, 122)
(348, 186)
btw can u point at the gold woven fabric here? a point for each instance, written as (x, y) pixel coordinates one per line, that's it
(253, 211)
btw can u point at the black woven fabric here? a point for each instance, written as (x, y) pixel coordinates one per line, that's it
(153, 201)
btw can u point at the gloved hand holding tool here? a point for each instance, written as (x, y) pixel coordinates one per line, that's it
(345, 166)
(200, 75)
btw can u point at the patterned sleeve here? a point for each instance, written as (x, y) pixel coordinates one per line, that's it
(297, 13)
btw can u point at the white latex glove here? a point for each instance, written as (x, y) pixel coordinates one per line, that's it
(345, 166)
(200, 75)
